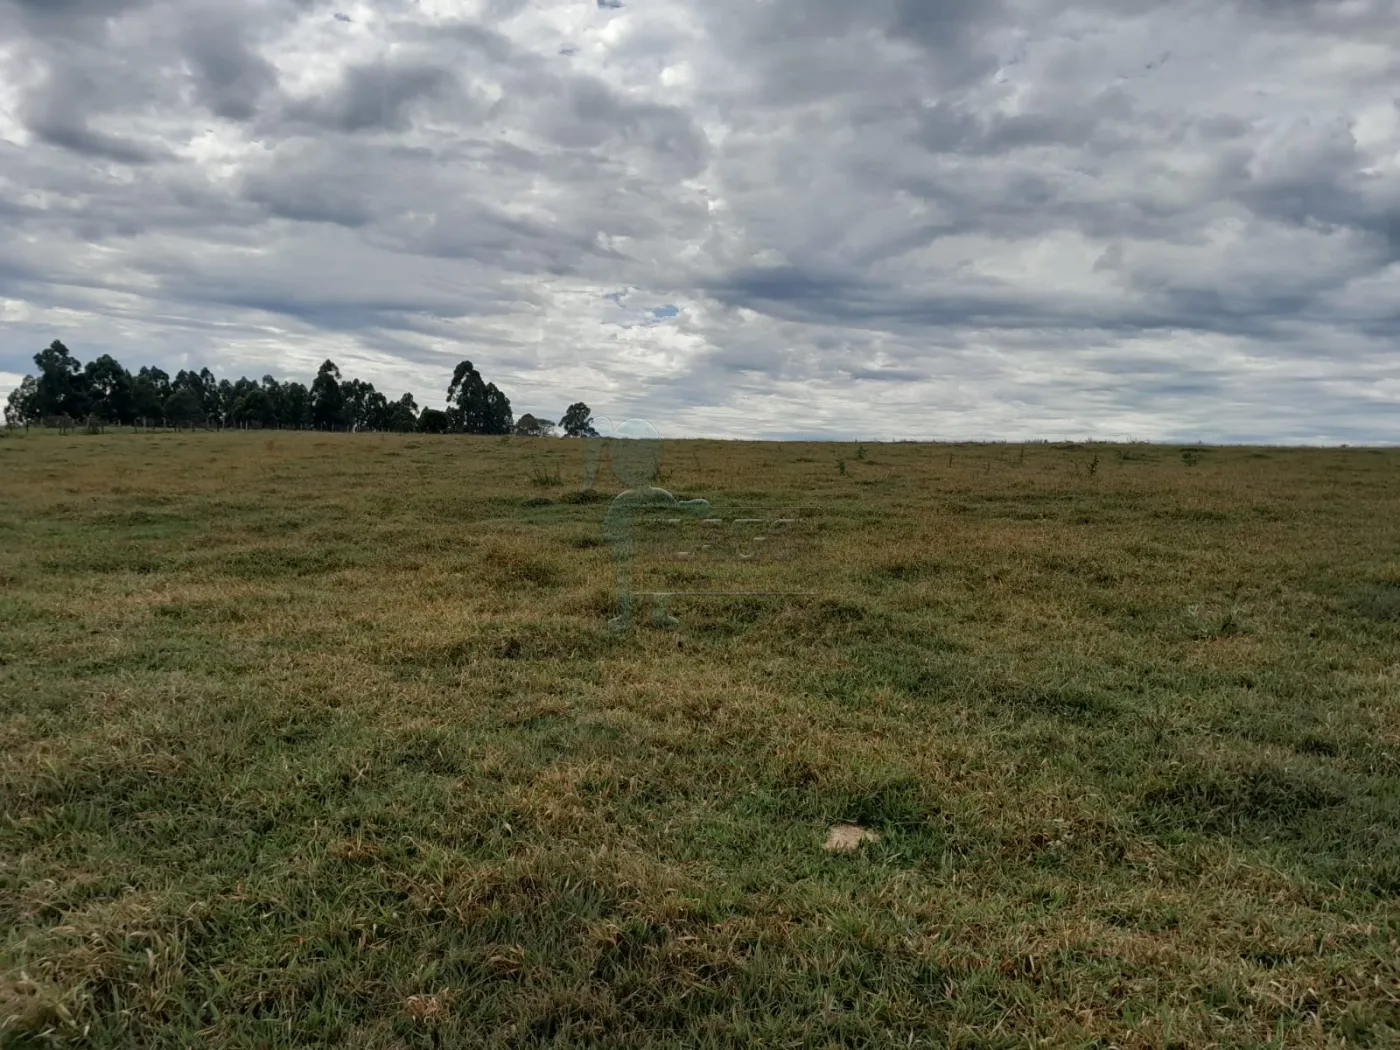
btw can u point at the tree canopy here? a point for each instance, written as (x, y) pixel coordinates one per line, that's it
(62, 386)
(578, 421)
(327, 398)
(183, 407)
(61, 390)
(475, 406)
(529, 426)
(432, 421)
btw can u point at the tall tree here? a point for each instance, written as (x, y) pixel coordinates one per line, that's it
(242, 387)
(146, 402)
(226, 400)
(327, 400)
(276, 395)
(193, 382)
(110, 390)
(210, 401)
(22, 406)
(475, 406)
(159, 380)
(498, 414)
(402, 415)
(528, 426)
(466, 393)
(578, 421)
(61, 386)
(364, 405)
(377, 411)
(151, 392)
(296, 402)
(183, 407)
(205, 389)
(255, 407)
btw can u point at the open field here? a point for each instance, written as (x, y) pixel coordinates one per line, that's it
(321, 738)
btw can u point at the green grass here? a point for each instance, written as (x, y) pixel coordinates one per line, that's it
(314, 738)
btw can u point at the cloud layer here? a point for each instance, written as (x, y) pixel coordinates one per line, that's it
(767, 218)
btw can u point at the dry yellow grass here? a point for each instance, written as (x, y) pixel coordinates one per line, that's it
(321, 738)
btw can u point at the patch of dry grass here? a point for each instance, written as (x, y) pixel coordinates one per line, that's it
(320, 738)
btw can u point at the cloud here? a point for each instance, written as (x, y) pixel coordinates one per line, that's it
(898, 218)
(60, 109)
(373, 96)
(220, 44)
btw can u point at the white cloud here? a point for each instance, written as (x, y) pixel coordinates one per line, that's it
(896, 218)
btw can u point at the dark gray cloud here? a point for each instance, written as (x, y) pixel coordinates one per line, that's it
(1105, 123)
(374, 96)
(67, 18)
(60, 10)
(66, 129)
(77, 88)
(231, 76)
(1011, 218)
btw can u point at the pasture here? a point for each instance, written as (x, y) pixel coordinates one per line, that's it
(322, 738)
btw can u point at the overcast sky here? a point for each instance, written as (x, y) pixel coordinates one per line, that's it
(741, 218)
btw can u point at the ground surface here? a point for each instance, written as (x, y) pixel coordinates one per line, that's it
(320, 738)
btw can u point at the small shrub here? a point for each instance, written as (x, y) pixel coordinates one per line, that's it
(541, 476)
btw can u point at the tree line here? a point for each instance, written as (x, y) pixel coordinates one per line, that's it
(103, 391)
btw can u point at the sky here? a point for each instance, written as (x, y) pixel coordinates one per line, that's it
(849, 219)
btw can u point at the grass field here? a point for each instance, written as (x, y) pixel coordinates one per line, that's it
(321, 738)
